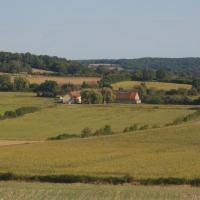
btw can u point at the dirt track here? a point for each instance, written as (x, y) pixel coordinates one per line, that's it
(15, 142)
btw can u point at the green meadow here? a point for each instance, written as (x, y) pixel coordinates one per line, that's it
(55, 119)
(35, 191)
(163, 152)
(9, 101)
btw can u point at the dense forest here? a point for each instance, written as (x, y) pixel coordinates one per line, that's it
(188, 66)
(18, 62)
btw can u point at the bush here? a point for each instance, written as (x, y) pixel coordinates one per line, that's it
(63, 137)
(10, 114)
(86, 132)
(131, 128)
(107, 130)
(24, 110)
(99, 132)
(187, 118)
(144, 127)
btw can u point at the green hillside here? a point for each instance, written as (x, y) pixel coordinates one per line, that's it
(165, 152)
(72, 119)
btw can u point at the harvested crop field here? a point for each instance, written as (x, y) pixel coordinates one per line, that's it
(35, 191)
(62, 80)
(155, 85)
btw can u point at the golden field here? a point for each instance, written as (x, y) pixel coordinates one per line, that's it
(155, 85)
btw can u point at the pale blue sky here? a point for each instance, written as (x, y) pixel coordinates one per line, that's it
(83, 29)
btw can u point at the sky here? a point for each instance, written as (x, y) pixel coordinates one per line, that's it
(94, 29)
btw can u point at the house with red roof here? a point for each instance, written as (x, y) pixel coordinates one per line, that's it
(124, 96)
(73, 97)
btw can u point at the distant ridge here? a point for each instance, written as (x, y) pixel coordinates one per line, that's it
(189, 66)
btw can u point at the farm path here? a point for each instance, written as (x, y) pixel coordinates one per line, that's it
(15, 142)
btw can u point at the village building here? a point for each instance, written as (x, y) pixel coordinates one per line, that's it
(124, 96)
(73, 97)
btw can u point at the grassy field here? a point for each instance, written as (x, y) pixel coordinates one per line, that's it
(10, 101)
(162, 152)
(72, 119)
(35, 191)
(156, 85)
(165, 152)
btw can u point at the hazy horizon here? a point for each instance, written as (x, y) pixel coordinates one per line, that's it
(100, 29)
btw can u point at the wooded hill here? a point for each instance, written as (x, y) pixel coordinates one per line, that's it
(19, 62)
(189, 66)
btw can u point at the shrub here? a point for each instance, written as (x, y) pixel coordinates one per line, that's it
(63, 137)
(24, 110)
(187, 118)
(10, 114)
(144, 127)
(155, 126)
(99, 132)
(131, 128)
(86, 132)
(107, 130)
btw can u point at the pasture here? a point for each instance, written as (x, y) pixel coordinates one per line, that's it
(35, 191)
(163, 152)
(10, 101)
(72, 119)
(155, 85)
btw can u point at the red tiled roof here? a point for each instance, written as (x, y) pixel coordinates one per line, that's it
(126, 95)
(75, 94)
(91, 82)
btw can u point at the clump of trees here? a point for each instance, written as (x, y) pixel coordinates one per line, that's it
(19, 83)
(94, 96)
(48, 89)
